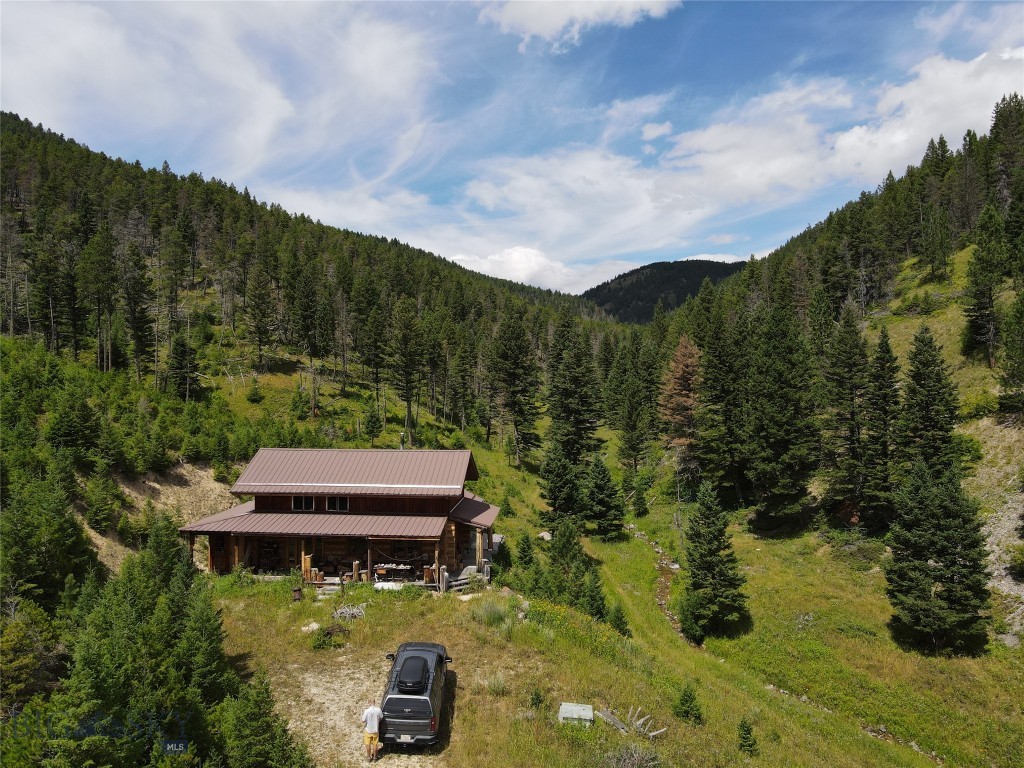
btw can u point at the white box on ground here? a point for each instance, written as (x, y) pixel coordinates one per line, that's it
(578, 714)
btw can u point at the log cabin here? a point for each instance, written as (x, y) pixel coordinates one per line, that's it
(365, 514)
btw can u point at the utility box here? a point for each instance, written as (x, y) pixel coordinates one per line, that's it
(577, 714)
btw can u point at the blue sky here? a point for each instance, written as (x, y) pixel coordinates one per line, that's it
(553, 143)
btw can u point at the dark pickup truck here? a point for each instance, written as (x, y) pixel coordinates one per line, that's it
(416, 698)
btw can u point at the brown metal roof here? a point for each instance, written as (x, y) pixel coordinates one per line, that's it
(474, 511)
(306, 524)
(356, 472)
(239, 509)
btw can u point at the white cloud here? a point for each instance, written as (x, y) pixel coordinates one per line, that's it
(653, 131)
(358, 115)
(236, 87)
(534, 267)
(944, 96)
(562, 23)
(586, 202)
(993, 26)
(624, 115)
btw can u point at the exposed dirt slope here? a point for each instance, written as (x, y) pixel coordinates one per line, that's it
(187, 488)
(996, 484)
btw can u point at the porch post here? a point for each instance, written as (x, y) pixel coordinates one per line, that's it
(209, 553)
(479, 547)
(437, 559)
(369, 560)
(234, 551)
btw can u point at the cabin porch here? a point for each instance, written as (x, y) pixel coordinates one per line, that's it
(353, 558)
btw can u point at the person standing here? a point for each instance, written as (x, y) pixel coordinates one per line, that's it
(371, 718)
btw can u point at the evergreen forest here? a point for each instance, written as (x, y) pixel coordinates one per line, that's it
(845, 395)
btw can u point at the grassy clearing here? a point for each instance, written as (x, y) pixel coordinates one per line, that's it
(511, 678)
(820, 616)
(946, 323)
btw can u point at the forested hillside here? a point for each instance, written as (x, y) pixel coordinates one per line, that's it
(818, 413)
(633, 296)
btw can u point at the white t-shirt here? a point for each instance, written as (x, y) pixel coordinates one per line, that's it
(372, 717)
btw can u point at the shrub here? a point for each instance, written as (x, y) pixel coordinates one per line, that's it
(686, 707)
(329, 637)
(496, 685)
(1016, 566)
(976, 405)
(489, 612)
(632, 756)
(254, 394)
(748, 742)
(617, 620)
(240, 577)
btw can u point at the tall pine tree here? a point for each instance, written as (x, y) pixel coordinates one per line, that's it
(713, 601)
(604, 503)
(573, 400)
(516, 376)
(1011, 378)
(846, 377)
(678, 404)
(937, 576)
(880, 417)
(925, 427)
(781, 431)
(984, 276)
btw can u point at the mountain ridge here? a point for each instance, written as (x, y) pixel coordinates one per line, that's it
(632, 296)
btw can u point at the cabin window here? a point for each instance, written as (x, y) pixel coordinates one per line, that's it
(302, 503)
(337, 503)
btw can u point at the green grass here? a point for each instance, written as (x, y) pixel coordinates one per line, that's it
(946, 323)
(819, 631)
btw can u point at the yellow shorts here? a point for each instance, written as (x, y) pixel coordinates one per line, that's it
(370, 739)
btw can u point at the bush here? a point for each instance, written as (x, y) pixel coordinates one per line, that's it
(976, 405)
(254, 394)
(748, 742)
(491, 613)
(496, 685)
(632, 756)
(329, 637)
(686, 707)
(617, 620)
(1016, 566)
(968, 450)
(239, 578)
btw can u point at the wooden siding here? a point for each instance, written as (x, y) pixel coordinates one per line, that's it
(365, 505)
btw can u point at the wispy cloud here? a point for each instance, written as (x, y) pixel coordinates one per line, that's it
(422, 121)
(653, 131)
(724, 239)
(242, 87)
(534, 267)
(561, 24)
